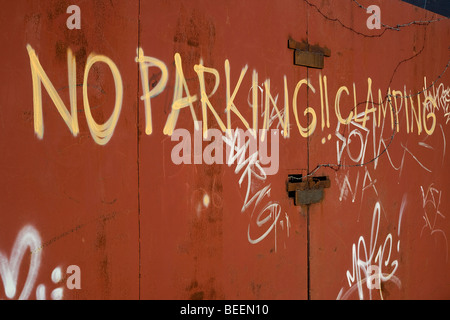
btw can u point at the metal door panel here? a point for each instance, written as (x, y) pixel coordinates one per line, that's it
(200, 238)
(380, 232)
(67, 199)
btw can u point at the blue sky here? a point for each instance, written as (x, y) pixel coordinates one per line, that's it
(439, 6)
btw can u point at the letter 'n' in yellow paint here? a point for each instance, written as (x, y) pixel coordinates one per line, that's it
(40, 77)
(416, 115)
(231, 107)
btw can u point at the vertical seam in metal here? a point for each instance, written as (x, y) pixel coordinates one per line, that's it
(308, 224)
(308, 245)
(138, 150)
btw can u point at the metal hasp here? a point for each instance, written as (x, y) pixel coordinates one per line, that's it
(308, 191)
(307, 55)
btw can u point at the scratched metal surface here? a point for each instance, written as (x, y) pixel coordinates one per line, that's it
(140, 226)
(78, 198)
(192, 249)
(387, 205)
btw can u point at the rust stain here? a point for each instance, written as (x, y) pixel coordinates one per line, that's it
(199, 295)
(103, 264)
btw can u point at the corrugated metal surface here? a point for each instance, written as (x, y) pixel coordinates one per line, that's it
(113, 201)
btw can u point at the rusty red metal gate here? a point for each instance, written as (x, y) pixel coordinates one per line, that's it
(109, 185)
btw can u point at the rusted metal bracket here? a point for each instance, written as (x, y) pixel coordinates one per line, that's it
(307, 191)
(307, 55)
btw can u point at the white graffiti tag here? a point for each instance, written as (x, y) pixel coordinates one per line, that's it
(367, 267)
(28, 238)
